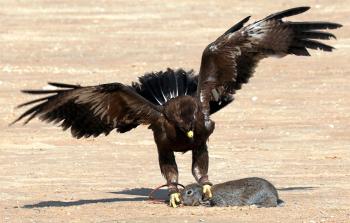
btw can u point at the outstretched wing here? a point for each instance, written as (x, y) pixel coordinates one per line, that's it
(91, 111)
(229, 61)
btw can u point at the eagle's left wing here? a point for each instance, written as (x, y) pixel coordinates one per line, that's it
(229, 61)
(92, 110)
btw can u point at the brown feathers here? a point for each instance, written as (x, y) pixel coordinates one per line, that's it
(91, 111)
(230, 60)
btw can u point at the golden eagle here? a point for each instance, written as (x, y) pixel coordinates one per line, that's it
(177, 104)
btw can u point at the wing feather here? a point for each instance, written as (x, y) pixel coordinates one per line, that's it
(230, 61)
(91, 111)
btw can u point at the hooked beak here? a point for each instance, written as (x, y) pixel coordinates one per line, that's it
(190, 134)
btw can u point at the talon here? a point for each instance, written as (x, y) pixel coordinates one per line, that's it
(207, 191)
(174, 198)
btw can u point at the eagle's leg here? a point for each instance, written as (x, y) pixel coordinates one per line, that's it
(205, 97)
(169, 170)
(200, 164)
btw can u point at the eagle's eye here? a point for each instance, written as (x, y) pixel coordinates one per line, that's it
(189, 192)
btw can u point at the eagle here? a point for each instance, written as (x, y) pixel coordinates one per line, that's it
(177, 104)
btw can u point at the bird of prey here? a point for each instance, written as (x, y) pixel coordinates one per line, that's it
(177, 104)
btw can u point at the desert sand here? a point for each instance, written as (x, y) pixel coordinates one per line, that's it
(290, 124)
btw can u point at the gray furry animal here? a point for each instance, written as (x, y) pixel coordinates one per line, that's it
(247, 191)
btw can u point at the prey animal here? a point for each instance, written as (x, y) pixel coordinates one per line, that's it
(177, 104)
(247, 191)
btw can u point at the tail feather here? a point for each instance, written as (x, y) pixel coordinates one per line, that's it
(160, 87)
(173, 85)
(152, 85)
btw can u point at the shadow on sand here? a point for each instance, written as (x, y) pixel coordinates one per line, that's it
(295, 188)
(141, 193)
(159, 194)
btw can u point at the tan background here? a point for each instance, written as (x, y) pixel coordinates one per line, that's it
(290, 125)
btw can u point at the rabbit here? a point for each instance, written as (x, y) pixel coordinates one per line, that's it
(247, 191)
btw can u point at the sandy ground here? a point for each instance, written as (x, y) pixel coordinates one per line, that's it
(290, 125)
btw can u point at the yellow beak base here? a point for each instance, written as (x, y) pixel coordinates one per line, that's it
(190, 134)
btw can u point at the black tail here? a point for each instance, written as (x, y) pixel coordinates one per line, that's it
(162, 86)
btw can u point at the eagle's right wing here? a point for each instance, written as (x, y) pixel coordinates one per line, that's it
(230, 61)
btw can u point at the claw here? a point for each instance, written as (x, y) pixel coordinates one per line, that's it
(174, 198)
(207, 191)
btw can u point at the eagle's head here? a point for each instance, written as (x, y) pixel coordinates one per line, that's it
(184, 112)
